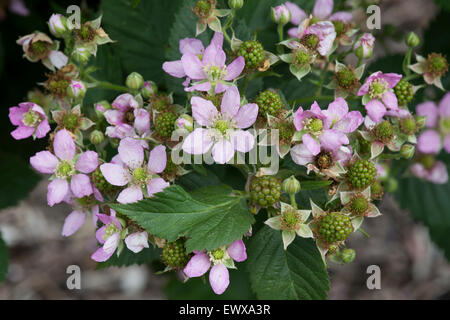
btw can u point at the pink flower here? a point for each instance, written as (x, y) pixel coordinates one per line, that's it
(429, 142)
(205, 67)
(436, 174)
(66, 168)
(366, 43)
(129, 170)
(127, 119)
(223, 132)
(222, 259)
(322, 30)
(378, 95)
(297, 14)
(30, 120)
(438, 117)
(326, 129)
(108, 236)
(323, 10)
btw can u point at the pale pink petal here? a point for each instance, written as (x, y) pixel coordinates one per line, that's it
(72, 223)
(115, 174)
(131, 152)
(137, 241)
(87, 162)
(193, 66)
(217, 39)
(301, 155)
(16, 114)
(214, 56)
(174, 68)
(22, 132)
(198, 142)
(63, 145)
(219, 278)
(323, 8)
(429, 142)
(203, 111)
(350, 122)
(57, 191)
(205, 86)
(130, 195)
(42, 129)
(341, 16)
(243, 141)
(332, 139)
(101, 255)
(44, 162)
(444, 106)
(298, 119)
(430, 110)
(447, 143)
(81, 186)
(156, 185)
(390, 100)
(246, 115)
(438, 173)
(375, 110)
(391, 78)
(198, 265)
(157, 159)
(99, 234)
(124, 102)
(114, 117)
(18, 7)
(58, 59)
(222, 151)
(311, 144)
(237, 251)
(234, 69)
(141, 120)
(230, 102)
(297, 14)
(191, 45)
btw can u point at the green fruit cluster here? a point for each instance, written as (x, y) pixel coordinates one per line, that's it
(404, 92)
(265, 190)
(174, 255)
(335, 227)
(269, 102)
(164, 124)
(253, 53)
(361, 174)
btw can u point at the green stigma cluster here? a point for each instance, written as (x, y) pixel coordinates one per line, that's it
(174, 255)
(86, 33)
(358, 205)
(285, 130)
(364, 145)
(203, 8)
(408, 125)
(164, 124)
(253, 53)
(436, 64)
(345, 78)
(269, 102)
(384, 131)
(160, 102)
(290, 220)
(101, 184)
(310, 41)
(40, 48)
(265, 190)
(58, 87)
(335, 227)
(70, 121)
(361, 174)
(404, 92)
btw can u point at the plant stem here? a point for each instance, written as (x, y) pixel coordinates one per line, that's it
(293, 202)
(322, 79)
(106, 84)
(280, 48)
(407, 62)
(364, 233)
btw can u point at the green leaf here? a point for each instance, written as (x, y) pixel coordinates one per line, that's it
(3, 259)
(128, 258)
(141, 33)
(297, 273)
(429, 203)
(219, 219)
(19, 179)
(311, 185)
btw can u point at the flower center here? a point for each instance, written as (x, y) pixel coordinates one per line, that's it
(324, 160)
(40, 48)
(222, 126)
(70, 121)
(215, 73)
(202, 8)
(86, 33)
(285, 129)
(437, 64)
(65, 169)
(301, 57)
(30, 118)
(311, 41)
(345, 78)
(110, 230)
(218, 254)
(290, 220)
(313, 125)
(408, 125)
(384, 131)
(359, 205)
(377, 88)
(140, 175)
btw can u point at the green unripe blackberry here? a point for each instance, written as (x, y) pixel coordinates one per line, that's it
(346, 79)
(408, 125)
(174, 255)
(101, 184)
(358, 205)
(404, 92)
(335, 227)
(253, 53)
(265, 190)
(269, 102)
(361, 174)
(364, 146)
(164, 124)
(160, 102)
(348, 255)
(384, 131)
(376, 190)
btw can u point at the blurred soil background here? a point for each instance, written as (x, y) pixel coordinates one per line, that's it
(411, 265)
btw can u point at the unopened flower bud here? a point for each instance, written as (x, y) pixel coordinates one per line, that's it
(291, 185)
(149, 88)
(185, 122)
(134, 81)
(96, 137)
(280, 15)
(235, 4)
(412, 40)
(407, 151)
(76, 89)
(101, 107)
(348, 255)
(58, 25)
(81, 54)
(364, 46)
